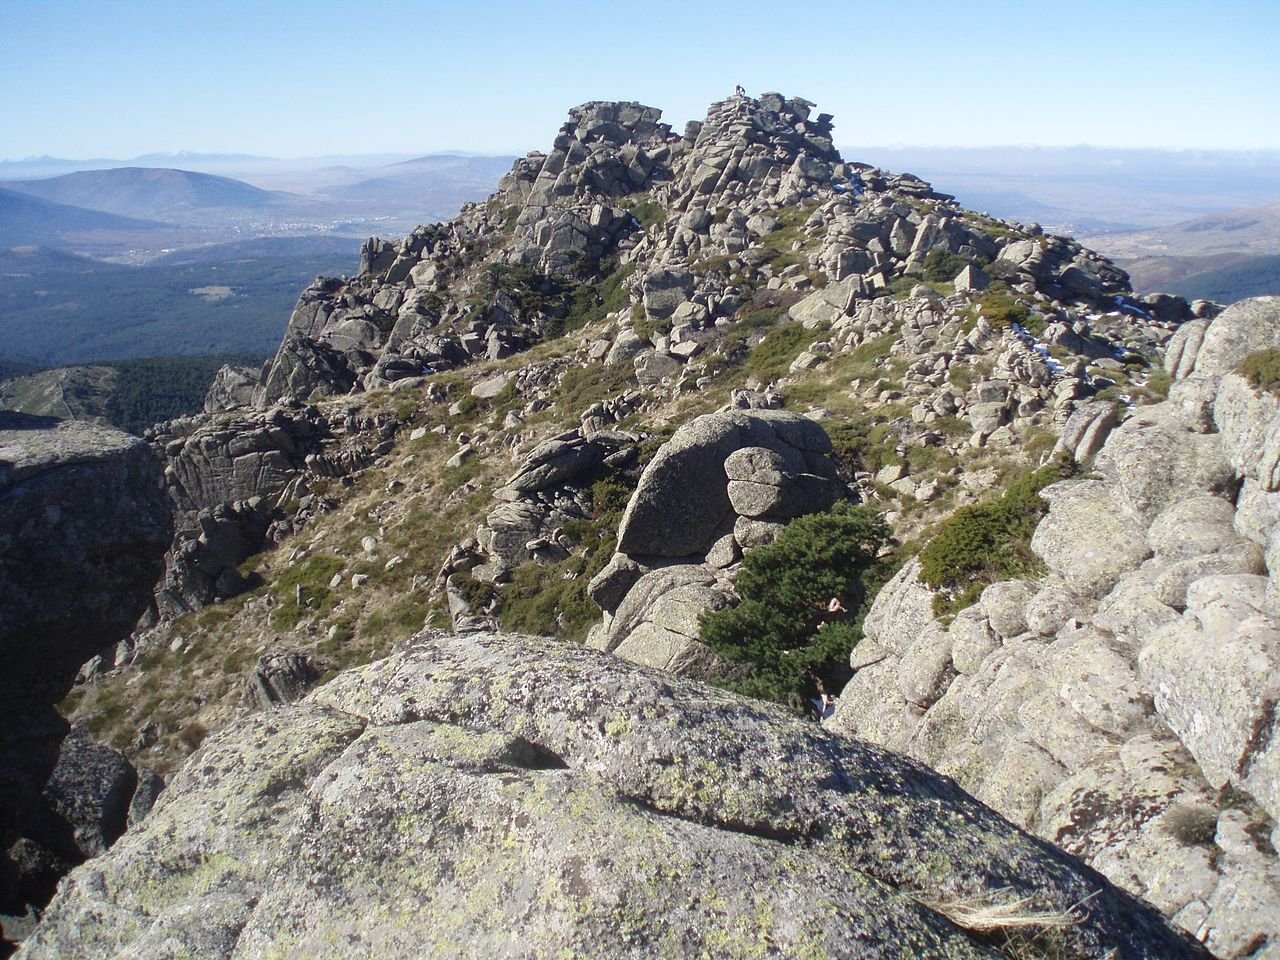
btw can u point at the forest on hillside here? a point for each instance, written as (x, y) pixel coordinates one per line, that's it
(74, 315)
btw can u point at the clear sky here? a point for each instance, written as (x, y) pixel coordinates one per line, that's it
(288, 78)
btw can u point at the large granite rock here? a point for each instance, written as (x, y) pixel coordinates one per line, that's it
(492, 795)
(1238, 331)
(83, 528)
(724, 483)
(683, 502)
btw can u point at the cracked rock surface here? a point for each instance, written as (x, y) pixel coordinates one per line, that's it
(498, 795)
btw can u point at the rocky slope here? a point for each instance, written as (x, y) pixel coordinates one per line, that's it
(496, 795)
(574, 408)
(1123, 706)
(755, 228)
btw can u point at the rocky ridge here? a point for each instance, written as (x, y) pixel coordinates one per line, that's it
(751, 217)
(538, 349)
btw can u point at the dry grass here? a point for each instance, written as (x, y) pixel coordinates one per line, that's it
(1015, 928)
(982, 915)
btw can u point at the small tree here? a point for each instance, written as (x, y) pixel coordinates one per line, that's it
(982, 543)
(781, 630)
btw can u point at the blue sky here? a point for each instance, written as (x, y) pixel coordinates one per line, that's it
(118, 78)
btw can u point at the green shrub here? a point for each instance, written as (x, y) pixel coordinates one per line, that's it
(943, 266)
(609, 497)
(552, 600)
(774, 632)
(1262, 369)
(771, 357)
(647, 213)
(1159, 382)
(1039, 443)
(763, 317)
(591, 302)
(1035, 324)
(1001, 308)
(647, 326)
(477, 593)
(900, 287)
(982, 543)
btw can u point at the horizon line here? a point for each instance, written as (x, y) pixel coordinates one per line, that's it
(233, 155)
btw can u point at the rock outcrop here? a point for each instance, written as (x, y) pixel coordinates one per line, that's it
(1124, 705)
(723, 482)
(495, 795)
(83, 529)
(694, 226)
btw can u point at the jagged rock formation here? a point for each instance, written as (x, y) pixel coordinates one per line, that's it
(751, 209)
(83, 527)
(279, 679)
(482, 795)
(1124, 705)
(753, 197)
(232, 389)
(724, 482)
(540, 496)
(93, 793)
(228, 476)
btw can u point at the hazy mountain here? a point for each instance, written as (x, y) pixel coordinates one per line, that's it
(1222, 257)
(314, 197)
(1089, 190)
(186, 158)
(26, 219)
(29, 261)
(268, 248)
(150, 193)
(46, 166)
(1256, 277)
(1251, 229)
(433, 187)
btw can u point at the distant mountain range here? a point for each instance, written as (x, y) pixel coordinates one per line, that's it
(201, 208)
(1250, 230)
(1223, 256)
(150, 193)
(1089, 190)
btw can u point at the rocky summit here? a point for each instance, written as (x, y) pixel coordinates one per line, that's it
(452, 630)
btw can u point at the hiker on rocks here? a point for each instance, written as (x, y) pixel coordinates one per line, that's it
(738, 91)
(823, 705)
